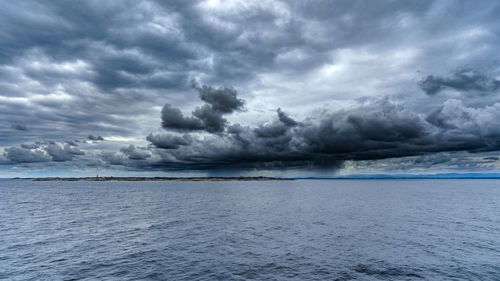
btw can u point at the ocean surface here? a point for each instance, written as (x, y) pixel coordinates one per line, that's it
(273, 230)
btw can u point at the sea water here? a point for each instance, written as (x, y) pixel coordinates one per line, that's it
(250, 230)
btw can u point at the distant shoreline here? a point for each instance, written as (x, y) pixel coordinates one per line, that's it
(163, 179)
(262, 178)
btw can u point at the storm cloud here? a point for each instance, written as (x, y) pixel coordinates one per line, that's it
(95, 138)
(209, 117)
(468, 80)
(376, 129)
(168, 141)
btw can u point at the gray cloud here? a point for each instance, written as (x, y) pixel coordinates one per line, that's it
(62, 152)
(24, 155)
(172, 118)
(134, 153)
(72, 143)
(224, 100)
(41, 152)
(285, 119)
(466, 80)
(209, 117)
(168, 141)
(95, 138)
(114, 158)
(19, 127)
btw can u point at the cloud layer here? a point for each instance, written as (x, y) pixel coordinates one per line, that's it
(376, 129)
(171, 85)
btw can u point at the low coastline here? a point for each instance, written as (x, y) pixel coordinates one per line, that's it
(162, 179)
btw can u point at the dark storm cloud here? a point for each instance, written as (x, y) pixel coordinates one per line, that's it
(467, 80)
(285, 119)
(224, 100)
(19, 127)
(491, 158)
(172, 118)
(211, 119)
(377, 129)
(208, 117)
(95, 138)
(449, 161)
(168, 141)
(271, 131)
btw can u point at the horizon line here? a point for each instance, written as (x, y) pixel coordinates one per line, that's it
(360, 176)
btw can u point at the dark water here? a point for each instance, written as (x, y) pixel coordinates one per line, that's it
(301, 230)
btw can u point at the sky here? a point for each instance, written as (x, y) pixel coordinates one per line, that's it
(275, 88)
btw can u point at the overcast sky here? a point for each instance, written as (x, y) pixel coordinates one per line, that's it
(288, 88)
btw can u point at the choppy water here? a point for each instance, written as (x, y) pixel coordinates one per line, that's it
(300, 230)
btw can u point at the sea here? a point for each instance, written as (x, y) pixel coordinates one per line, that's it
(388, 229)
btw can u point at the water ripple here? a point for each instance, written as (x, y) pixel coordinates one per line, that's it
(301, 230)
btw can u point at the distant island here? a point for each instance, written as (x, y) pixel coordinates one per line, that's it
(163, 179)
